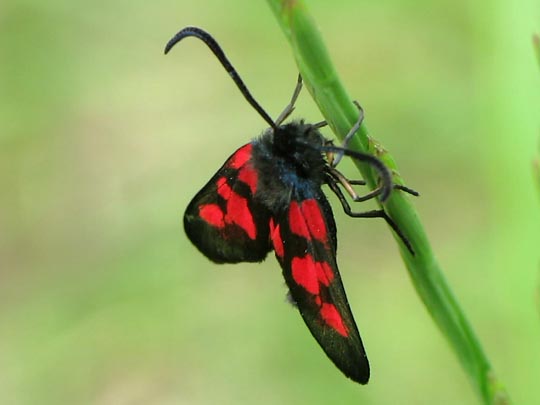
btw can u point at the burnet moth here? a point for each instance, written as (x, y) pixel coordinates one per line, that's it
(268, 196)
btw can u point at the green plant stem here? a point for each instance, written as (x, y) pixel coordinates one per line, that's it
(335, 104)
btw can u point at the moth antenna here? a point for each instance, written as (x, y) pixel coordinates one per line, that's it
(384, 172)
(218, 52)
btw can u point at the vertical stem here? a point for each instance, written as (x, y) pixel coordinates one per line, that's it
(335, 104)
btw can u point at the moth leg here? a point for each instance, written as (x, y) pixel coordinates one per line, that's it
(400, 187)
(320, 125)
(347, 185)
(351, 133)
(332, 183)
(338, 177)
(290, 107)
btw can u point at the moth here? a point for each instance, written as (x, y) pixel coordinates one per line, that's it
(268, 196)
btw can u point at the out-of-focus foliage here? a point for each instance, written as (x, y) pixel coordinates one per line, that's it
(103, 141)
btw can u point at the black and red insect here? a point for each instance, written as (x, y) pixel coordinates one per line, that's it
(268, 196)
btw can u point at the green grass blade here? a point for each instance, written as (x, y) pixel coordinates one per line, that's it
(335, 104)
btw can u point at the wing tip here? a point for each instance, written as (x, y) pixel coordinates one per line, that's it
(359, 373)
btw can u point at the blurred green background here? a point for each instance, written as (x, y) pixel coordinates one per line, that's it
(103, 142)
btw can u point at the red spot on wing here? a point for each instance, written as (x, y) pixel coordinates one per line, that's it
(223, 188)
(309, 274)
(297, 222)
(277, 241)
(324, 273)
(332, 317)
(212, 214)
(304, 272)
(237, 210)
(241, 156)
(314, 219)
(238, 213)
(306, 220)
(312, 276)
(249, 176)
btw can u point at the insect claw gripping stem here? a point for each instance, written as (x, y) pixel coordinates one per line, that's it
(406, 189)
(337, 175)
(383, 190)
(351, 133)
(347, 185)
(385, 175)
(332, 183)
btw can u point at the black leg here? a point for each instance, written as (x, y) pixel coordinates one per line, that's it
(332, 183)
(347, 183)
(338, 177)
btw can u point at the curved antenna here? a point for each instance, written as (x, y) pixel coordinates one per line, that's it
(384, 173)
(218, 52)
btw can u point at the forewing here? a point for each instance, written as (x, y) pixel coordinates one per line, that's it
(304, 240)
(223, 220)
